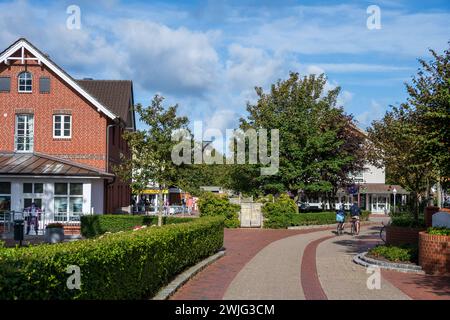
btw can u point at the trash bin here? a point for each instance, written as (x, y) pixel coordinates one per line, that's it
(18, 230)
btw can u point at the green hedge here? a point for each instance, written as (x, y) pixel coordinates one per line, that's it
(407, 220)
(439, 231)
(94, 225)
(211, 204)
(305, 219)
(128, 265)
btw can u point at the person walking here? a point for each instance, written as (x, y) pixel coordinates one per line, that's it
(33, 213)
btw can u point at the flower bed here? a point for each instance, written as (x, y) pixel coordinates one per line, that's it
(404, 254)
(434, 252)
(127, 265)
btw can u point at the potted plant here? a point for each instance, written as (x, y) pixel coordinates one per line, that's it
(54, 233)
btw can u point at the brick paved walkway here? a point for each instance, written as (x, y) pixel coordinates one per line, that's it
(341, 278)
(241, 245)
(302, 264)
(274, 273)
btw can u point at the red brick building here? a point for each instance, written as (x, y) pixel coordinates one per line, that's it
(60, 137)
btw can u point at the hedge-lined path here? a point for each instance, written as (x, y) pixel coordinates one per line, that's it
(241, 245)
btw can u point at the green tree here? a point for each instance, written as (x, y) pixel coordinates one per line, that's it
(395, 143)
(429, 106)
(319, 144)
(151, 160)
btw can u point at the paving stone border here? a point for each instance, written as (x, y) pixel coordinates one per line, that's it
(166, 292)
(365, 261)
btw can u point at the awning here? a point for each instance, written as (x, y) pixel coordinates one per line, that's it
(36, 164)
(381, 188)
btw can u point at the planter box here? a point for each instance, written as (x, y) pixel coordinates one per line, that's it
(54, 235)
(397, 236)
(72, 229)
(434, 253)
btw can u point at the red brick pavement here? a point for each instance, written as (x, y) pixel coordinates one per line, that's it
(241, 245)
(420, 286)
(309, 278)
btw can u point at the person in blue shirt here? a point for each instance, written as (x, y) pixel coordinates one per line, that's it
(340, 218)
(355, 213)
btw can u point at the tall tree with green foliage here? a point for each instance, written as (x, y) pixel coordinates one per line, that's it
(429, 106)
(319, 144)
(413, 140)
(395, 143)
(151, 160)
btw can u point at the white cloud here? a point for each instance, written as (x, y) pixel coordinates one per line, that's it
(248, 67)
(375, 111)
(172, 60)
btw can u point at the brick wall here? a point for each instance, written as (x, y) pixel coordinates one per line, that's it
(72, 229)
(88, 142)
(89, 127)
(434, 253)
(397, 236)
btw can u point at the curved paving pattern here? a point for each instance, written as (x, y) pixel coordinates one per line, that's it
(341, 279)
(309, 277)
(303, 264)
(242, 245)
(274, 273)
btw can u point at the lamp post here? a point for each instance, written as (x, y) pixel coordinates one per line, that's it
(394, 191)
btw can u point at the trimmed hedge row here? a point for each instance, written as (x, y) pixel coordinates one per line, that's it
(94, 225)
(305, 219)
(128, 265)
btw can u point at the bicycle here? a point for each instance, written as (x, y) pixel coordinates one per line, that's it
(340, 228)
(353, 226)
(383, 231)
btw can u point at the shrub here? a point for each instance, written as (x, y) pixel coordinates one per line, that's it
(407, 221)
(279, 213)
(439, 231)
(405, 253)
(94, 225)
(283, 213)
(128, 265)
(211, 204)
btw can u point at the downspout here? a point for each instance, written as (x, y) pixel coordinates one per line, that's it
(110, 182)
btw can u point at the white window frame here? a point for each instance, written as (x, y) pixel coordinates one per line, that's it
(62, 136)
(68, 214)
(18, 82)
(30, 123)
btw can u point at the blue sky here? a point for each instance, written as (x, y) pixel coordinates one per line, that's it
(207, 56)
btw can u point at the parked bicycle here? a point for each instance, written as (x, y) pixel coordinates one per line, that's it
(383, 231)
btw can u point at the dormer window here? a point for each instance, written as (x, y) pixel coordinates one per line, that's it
(25, 82)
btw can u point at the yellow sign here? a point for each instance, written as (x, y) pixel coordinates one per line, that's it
(154, 191)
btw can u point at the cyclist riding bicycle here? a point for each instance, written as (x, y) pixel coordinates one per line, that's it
(355, 213)
(340, 218)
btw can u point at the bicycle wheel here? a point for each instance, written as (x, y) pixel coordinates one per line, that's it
(352, 229)
(383, 234)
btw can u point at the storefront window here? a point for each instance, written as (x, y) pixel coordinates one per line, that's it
(68, 198)
(5, 196)
(5, 188)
